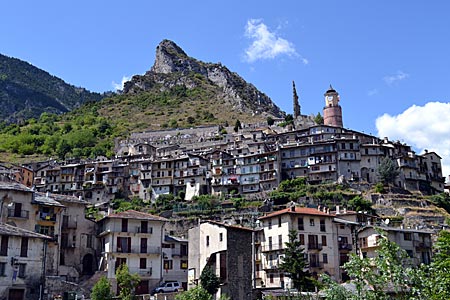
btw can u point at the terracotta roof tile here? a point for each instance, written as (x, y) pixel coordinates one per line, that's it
(133, 214)
(298, 210)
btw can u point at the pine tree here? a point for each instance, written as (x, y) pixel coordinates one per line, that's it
(387, 170)
(295, 264)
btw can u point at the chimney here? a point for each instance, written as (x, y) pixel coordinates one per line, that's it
(338, 211)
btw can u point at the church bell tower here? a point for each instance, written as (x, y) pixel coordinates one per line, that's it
(332, 112)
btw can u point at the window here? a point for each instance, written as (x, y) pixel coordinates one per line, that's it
(300, 225)
(4, 246)
(143, 245)
(270, 243)
(183, 264)
(311, 222)
(62, 258)
(124, 244)
(270, 224)
(280, 241)
(89, 241)
(207, 241)
(220, 237)
(144, 226)
(322, 225)
(22, 268)
(120, 261)
(279, 221)
(142, 263)
(2, 269)
(184, 250)
(124, 225)
(325, 258)
(24, 247)
(410, 253)
(301, 238)
(271, 278)
(407, 236)
(324, 240)
(168, 264)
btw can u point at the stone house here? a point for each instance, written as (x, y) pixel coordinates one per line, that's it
(22, 263)
(175, 260)
(228, 251)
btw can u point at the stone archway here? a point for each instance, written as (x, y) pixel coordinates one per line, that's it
(88, 264)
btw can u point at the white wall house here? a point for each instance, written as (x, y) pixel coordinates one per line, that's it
(133, 238)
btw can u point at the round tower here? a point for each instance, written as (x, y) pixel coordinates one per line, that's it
(332, 112)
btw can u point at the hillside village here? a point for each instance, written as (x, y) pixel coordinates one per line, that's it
(51, 242)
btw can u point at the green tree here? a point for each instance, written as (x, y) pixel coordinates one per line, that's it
(237, 126)
(318, 119)
(102, 290)
(387, 170)
(209, 280)
(379, 277)
(295, 264)
(126, 282)
(358, 203)
(197, 293)
(270, 121)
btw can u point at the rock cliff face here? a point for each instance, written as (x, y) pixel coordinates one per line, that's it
(174, 67)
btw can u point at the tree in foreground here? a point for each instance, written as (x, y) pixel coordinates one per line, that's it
(209, 280)
(197, 293)
(295, 264)
(102, 290)
(378, 278)
(126, 282)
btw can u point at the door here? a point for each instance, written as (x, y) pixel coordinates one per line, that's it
(16, 294)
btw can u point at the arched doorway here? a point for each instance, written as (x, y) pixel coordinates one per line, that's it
(88, 264)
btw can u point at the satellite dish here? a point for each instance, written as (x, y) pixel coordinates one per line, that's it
(387, 221)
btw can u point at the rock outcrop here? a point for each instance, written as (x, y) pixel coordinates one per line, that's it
(174, 67)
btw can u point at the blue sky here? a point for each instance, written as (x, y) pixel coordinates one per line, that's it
(389, 60)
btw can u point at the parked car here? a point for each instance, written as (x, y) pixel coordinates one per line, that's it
(168, 287)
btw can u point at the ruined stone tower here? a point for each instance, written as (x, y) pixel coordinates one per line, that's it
(332, 112)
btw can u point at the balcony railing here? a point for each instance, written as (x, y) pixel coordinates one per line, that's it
(139, 250)
(314, 246)
(46, 217)
(23, 214)
(71, 224)
(316, 264)
(345, 247)
(271, 247)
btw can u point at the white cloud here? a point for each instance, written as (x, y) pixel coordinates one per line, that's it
(266, 44)
(399, 76)
(119, 86)
(423, 127)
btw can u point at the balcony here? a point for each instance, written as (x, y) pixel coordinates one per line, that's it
(345, 247)
(46, 217)
(139, 250)
(316, 265)
(422, 245)
(20, 214)
(314, 246)
(271, 247)
(70, 224)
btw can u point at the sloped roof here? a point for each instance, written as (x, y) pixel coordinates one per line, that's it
(134, 214)
(14, 186)
(6, 229)
(44, 199)
(297, 210)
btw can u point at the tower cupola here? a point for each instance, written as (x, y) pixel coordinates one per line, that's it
(332, 112)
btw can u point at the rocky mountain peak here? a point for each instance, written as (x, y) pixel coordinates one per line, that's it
(173, 67)
(169, 58)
